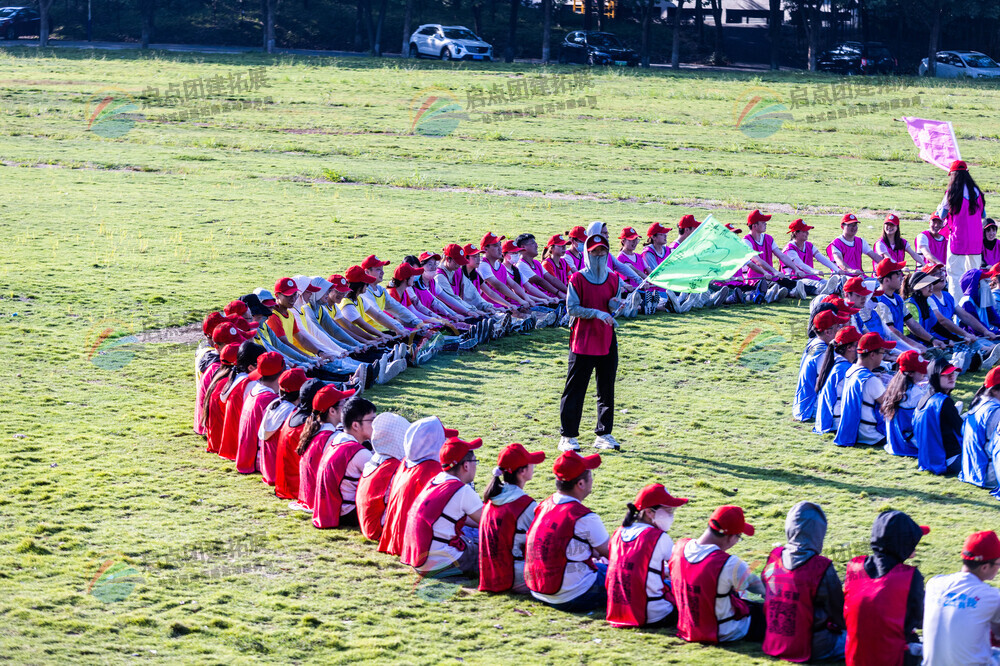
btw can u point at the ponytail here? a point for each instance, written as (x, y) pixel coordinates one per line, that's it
(824, 368)
(222, 373)
(313, 423)
(496, 484)
(895, 393)
(631, 516)
(547, 252)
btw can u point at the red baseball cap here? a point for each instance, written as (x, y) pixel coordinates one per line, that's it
(571, 465)
(655, 495)
(226, 334)
(450, 432)
(992, 378)
(340, 283)
(427, 256)
(292, 380)
(242, 324)
(472, 250)
(515, 456)
(856, 285)
(454, 449)
(948, 369)
(844, 309)
(827, 319)
(285, 286)
(887, 266)
(490, 239)
(756, 216)
(268, 363)
(558, 239)
(578, 234)
(891, 219)
(657, 228)
(688, 222)
(371, 261)
(958, 165)
(312, 288)
(870, 342)
(229, 353)
(909, 361)
(628, 233)
(211, 321)
(597, 240)
(930, 268)
(849, 218)
(357, 274)
(981, 547)
(328, 396)
(509, 247)
(729, 520)
(405, 271)
(935, 216)
(455, 251)
(846, 336)
(734, 229)
(236, 307)
(798, 225)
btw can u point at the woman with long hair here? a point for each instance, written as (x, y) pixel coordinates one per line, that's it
(991, 249)
(234, 395)
(893, 245)
(286, 481)
(213, 412)
(963, 209)
(321, 424)
(902, 395)
(837, 360)
(937, 426)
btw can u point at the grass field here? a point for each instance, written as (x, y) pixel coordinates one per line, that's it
(109, 237)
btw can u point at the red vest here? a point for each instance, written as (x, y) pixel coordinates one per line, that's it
(497, 530)
(875, 610)
(373, 490)
(406, 486)
(216, 419)
(331, 473)
(628, 568)
(419, 533)
(309, 466)
(250, 418)
(202, 384)
(545, 551)
(695, 587)
(286, 472)
(269, 458)
(233, 404)
(592, 336)
(788, 606)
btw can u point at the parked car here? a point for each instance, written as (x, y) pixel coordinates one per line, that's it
(448, 42)
(18, 22)
(856, 58)
(596, 48)
(962, 64)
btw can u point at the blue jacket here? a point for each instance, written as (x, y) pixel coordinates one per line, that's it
(927, 434)
(899, 430)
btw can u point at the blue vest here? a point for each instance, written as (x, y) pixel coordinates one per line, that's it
(927, 322)
(946, 304)
(872, 325)
(897, 308)
(899, 430)
(976, 463)
(927, 435)
(830, 396)
(852, 404)
(804, 407)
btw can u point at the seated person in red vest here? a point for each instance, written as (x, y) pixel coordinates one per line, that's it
(962, 609)
(262, 391)
(322, 424)
(884, 598)
(442, 530)
(341, 465)
(287, 462)
(804, 603)
(269, 432)
(507, 515)
(559, 566)
(638, 581)
(707, 583)
(388, 431)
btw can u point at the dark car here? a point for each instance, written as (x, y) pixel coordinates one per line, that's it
(596, 48)
(18, 22)
(855, 58)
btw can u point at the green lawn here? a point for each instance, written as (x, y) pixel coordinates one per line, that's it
(111, 237)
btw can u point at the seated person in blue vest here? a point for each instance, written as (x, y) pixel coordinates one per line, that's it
(559, 566)
(507, 515)
(826, 324)
(962, 610)
(847, 250)
(884, 597)
(977, 308)
(892, 308)
(860, 418)
(985, 342)
(937, 427)
(762, 265)
(707, 584)
(917, 288)
(980, 450)
(804, 603)
(867, 320)
(638, 581)
(840, 355)
(904, 392)
(442, 529)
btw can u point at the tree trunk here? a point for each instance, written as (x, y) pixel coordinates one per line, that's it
(43, 29)
(407, 19)
(863, 19)
(588, 9)
(477, 17)
(774, 21)
(546, 31)
(720, 39)
(675, 51)
(814, 22)
(377, 50)
(699, 18)
(600, 14)
(146, 9)
(510, 49)
(370, 25)
(932, 46)
(270, 9)
(359, 21)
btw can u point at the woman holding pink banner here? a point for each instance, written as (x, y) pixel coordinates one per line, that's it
(963, 209)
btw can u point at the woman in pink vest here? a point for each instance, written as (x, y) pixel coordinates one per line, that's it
(884, 597)
(893, 245)
(554, 261)
(321, 425)
(206, 362)
(991, 249)
(271, 423)
(263, 391)
(574, 251)
(507, 515)
(963, 209)
(629, 238)
(638, 580)
(343, 461)
(804, 603)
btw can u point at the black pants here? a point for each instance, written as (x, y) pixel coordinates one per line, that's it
(581, 366)
(758, 622)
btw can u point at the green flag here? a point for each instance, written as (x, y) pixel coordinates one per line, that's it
(711, 253)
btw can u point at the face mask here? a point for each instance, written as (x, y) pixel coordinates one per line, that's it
(663, 519)
(579, 247)
(596, 265)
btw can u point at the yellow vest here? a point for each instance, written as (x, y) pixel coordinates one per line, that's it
(359, 306)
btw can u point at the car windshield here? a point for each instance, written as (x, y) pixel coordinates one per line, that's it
(980, 61)
(7, 11)
(603, 39)
(460, 33)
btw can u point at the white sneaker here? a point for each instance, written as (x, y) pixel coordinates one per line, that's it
(685, 306)
(769, 294)
(799, 291)
(991, 359)
(719, 297)
(606, 442)
(568, 444)
(393, 370)
(361, 376)
(672, 298)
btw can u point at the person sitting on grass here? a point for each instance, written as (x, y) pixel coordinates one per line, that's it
(324, 421)
(980, 455)
(905, 391)
(935, 317)
(804, 603)
(507, 514)
(803, 256)
(388, 433)
(833, 367)
(937, 427)
(532, 272)
(892, 309)
(826, 324)
(262, 392)
(847, 250)
(520, 284)
(206, 363)
(960, 321)
(495, 275)
(559, 566)
(442, 530)
(288, 461)
(575, 249)
(761, 266)
(962, 610)
(860, 419)
(554, 261)
(377, 298)
(452, 283)
(893, 246)
(708, 584)
(977, 310)
(638, 580)
(991, 249)
(213, 413)
(234, 395)
(884, 597)
(341, 466)
(269, 432)
(931, 245)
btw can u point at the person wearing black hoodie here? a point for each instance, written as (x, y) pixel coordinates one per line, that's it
(884, 597)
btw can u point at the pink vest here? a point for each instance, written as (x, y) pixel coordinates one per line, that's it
(637, 264)
(805, 255)
(763, 249)
(939, 248)
(649, 255)
(331, 474)
(309, 466)
(560, 271)
(991, 257)
(250, 418)
(851, 255)
(426, 296)
(577, 261)
(965, 229)
(203, 382)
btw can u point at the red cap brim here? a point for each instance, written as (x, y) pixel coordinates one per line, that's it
(926, 530)
(450, 432)
(748, 529)
(947, 371)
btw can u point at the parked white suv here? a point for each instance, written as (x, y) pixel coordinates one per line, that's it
(962, 64)
(448, 42)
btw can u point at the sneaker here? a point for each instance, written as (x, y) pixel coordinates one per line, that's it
(697, 301)
(547, 320)
(685, 305)
(382, 364)
(992, 359)
(468, 341)
(568, 444)
(361, 377)
(738, 296)
(799, 291)
(720, 296)
(672, 300)
(777, 293)
(763, 285)
(607, 442)
(299, 506)
(394, 369)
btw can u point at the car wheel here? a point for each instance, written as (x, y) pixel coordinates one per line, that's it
(446, 53)
(414, 53)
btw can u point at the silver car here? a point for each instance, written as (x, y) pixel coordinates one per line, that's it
(962, 65)
(448, 42)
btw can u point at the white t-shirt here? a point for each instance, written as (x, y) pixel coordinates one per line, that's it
(923, 242)
(734, 577)
(578, 577)
(463, 503)
(525, 271)
(355, 468)
(658, 572)
(959, 610)
(868, 434)
(883, 249)
(349, 312)
(865, 248)
(486, 271)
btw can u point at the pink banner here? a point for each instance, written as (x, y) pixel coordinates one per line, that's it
(935, 139)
